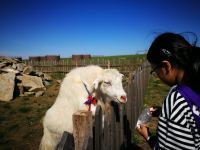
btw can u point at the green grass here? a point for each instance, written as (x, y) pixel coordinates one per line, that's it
(31, 120)
(136, 138)
(13, 127)
(137, 56)
(2, 118)
(156, 92)
(57, 76)
(25, 98)
(12, 111)
(3, 138)
(7, 106)
(24, 109)
(29, 134)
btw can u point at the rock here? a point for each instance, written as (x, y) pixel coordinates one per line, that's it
(46, 83)
(20, 67)
(2, 64)
(33, 83)
(19, 77)
(9, 60)
(7, 85)
(29, 93)
(14, 66)
(47, 77)
(37, 89)
(21, 89)
(39, 73)
(28, 70)
(39, 93)
(59, 81)
(9, 70)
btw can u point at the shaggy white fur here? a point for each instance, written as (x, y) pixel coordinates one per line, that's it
(104, 84)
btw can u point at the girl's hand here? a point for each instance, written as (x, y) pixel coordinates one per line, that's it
(143, 130)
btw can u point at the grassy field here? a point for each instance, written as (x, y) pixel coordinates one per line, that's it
(102, 60)
(127, 57)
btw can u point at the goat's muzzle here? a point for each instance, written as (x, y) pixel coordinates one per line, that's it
(123, 99)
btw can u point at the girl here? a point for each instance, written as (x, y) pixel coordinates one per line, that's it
(177, 63)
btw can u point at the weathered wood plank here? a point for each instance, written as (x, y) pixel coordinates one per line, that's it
(67, 142)
(88, 144)
(98, 129)
(82, 122)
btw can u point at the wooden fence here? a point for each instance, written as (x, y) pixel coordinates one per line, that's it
(65, 65)
(119, 123)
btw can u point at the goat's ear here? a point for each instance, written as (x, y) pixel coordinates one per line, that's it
(96, 83)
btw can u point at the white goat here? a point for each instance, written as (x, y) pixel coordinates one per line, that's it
(78, 84)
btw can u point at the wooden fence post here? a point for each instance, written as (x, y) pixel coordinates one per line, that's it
(88, 144)
(98, 128)
(108, 65)
(82, 122)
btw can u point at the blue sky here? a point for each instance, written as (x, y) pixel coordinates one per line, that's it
(96, 27)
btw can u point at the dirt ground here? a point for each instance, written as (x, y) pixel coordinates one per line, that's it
(21, 121)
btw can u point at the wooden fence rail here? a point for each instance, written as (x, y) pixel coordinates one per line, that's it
(64, 66)
(115, 133)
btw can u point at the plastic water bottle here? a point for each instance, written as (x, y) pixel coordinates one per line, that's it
(145, 116)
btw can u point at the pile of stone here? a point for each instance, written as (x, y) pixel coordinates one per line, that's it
(19, 79)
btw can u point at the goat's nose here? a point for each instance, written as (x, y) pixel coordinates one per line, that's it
(123, 98)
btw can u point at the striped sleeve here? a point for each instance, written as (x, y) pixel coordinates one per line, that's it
(176, 127)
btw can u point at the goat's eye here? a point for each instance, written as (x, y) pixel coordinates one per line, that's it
(107, 82)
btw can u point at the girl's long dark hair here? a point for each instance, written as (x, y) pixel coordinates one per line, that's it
(177, 50)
